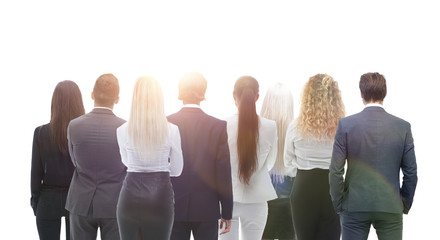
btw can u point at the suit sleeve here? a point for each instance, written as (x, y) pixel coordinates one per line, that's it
(223, 174)
(176, 156)
(409, 170)
(37, 171)
(70, 145)
(336, 175)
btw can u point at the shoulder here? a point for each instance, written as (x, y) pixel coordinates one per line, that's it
(267, 123)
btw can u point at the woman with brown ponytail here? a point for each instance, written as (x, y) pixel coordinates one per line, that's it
(253, 148)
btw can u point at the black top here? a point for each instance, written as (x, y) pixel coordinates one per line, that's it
(50, 166)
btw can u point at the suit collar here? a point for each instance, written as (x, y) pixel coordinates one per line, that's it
(191, 110)
(102, 111)
(374, 108)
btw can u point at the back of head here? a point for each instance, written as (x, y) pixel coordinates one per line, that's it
(321, 108)
(147, 124)
(192, 88)
(373, 87)
(106, 90)
(246, 90)
(278, 106)
(66, 105)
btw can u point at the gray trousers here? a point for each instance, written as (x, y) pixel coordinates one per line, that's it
(86, 228)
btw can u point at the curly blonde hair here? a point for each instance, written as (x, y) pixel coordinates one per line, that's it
(321, 108)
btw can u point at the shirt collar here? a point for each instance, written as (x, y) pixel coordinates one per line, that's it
(191, 106)
(374, 105)
(105, 108)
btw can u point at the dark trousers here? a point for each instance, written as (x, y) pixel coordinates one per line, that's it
(50, 210)
(86, 227)
(200, 230)
(313, 214)
(146, 206)
(356, 225)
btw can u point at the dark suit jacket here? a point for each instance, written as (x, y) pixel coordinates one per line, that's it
(51, 170)
(99, 172)
(205, 182)
(377, 146)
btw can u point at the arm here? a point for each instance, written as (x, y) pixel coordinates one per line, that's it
(336, 175)
(121, 136)
(37, 171)
(70, 145)
(223, 177)
(409, 170)
(289, 148)
(272, 156)
(176, 156)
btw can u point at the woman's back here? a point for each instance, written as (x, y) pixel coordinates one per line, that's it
(260, 187)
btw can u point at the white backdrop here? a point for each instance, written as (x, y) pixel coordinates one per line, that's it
(44, 42)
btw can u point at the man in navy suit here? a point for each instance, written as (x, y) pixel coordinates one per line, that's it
(203, 192)
(99, 172)
(376, 146)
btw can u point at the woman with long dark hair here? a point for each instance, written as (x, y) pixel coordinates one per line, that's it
(150, 148)
(309, 146)
(253, 148)
(52, 167)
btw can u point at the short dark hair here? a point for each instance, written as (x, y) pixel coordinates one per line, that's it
(106, 90)
(373, 87)
(192, 87)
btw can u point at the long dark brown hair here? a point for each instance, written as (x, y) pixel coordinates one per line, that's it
(66, 105)
(246, 92)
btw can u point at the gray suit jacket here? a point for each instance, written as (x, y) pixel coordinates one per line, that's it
(99, 172)
(377, 146)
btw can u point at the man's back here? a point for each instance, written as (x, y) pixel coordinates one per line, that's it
(206, 177)
(99, 171)
(376, 145)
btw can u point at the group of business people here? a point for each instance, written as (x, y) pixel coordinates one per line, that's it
(249, 177)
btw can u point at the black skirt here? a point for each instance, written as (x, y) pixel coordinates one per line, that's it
(146, 206)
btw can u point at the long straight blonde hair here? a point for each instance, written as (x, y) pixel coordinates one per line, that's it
(147, 125)
(278, 106)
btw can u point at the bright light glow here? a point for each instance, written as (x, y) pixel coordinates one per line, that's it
(44, 42)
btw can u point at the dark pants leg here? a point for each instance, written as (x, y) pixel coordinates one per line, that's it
(50, 209)
(181, 231)
(314, 217)
(356, 225)
(83, 227)
(49, 229)
(206, 230)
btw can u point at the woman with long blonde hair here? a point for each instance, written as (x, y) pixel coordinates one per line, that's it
(150, 148)
(309, 145)
(278, 106)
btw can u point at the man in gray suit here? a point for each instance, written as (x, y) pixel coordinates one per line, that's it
(376, 146)
(97, 180)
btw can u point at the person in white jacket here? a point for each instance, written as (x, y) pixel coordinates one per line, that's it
(253, 147)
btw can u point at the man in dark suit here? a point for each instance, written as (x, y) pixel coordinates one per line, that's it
(99, 172)
(205, 183)
(376, 146)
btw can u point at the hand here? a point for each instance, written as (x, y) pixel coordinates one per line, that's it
(227, 224)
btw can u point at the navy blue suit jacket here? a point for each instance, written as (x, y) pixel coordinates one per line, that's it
(376, 146)
(205, 183)
(99, 172)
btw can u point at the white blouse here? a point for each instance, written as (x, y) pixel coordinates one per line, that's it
(260, 188)
(306, 154)
(168, 158)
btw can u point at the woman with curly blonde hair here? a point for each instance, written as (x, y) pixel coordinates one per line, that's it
(308, 147)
